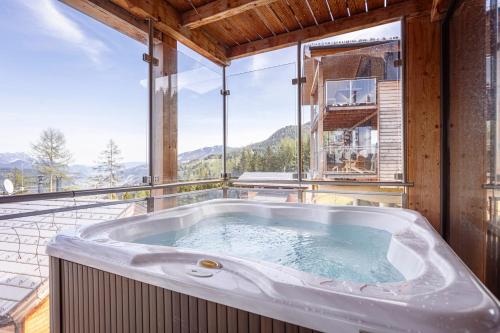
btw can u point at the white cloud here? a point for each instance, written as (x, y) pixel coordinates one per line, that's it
(199, 80)
(56, 25)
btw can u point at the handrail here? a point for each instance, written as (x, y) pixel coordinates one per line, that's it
(320, 182)
(67, 209)
(109, 190)
(96, 205)
(347, 192)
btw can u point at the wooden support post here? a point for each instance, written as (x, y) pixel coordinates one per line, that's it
(165, 117)
(423, 47)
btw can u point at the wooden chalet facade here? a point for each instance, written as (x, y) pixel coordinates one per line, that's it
(354, 94)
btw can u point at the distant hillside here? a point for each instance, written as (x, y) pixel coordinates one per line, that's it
(198, 154)
(289, 131)
(15, 160)
(200, 163)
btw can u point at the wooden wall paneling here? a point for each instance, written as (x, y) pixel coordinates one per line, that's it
(467, 135)
(56, 298)
(155, 309)
(232, 319)
(119, 304)
(96, 304)
(167, 301)
(145, 308)
(266, 325)
(221, 318)
(66, 299)
(212, 313)
(243, 323)
(423, 44)
(184, 310)
(176, 312)
(138, 306)
(202, 316)
(86, 308)
(131, 302)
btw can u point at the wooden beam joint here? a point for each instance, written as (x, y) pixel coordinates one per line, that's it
(169, 22)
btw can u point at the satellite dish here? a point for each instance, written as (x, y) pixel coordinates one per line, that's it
(8, 186)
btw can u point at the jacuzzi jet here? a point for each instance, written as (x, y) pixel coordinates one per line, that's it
(210, 264)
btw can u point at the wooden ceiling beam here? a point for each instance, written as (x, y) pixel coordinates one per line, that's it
(218, 10)
(332, 28)
(112, 15)
(439, 9)
(169, 21)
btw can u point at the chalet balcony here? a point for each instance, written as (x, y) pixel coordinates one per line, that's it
(350, 93)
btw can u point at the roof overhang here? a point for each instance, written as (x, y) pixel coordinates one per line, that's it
(222, 30)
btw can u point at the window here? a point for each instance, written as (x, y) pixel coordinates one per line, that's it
(351, 92)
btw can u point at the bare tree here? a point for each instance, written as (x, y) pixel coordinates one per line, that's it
(108, 168)
(51, 156)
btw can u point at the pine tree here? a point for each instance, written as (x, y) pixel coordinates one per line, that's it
(51, 156)
(108, 169)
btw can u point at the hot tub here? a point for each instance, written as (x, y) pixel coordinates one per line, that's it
(290, 266)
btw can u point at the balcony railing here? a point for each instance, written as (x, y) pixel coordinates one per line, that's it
(348, 93)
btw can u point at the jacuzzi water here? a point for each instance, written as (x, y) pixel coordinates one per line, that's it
(337, 251)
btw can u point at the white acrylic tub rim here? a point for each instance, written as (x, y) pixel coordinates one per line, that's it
(440, 293)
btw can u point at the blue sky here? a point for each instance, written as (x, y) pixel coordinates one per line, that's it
(61, 69)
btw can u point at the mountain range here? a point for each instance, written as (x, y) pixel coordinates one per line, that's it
(289, 131)
(134, 171)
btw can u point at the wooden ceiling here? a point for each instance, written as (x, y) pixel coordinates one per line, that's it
(223, 30)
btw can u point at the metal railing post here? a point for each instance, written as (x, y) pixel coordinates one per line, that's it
(299, 113)
(150, 98)
(224, 94)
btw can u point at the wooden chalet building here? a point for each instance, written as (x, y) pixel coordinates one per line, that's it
(354, 94)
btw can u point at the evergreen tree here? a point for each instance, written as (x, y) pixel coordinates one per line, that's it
(51, 156)
(108, 169)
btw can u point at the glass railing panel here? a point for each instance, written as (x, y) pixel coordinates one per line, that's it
(188, 118)
(73, 98)
(264, 194)
(388, 197)
(262, 117)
